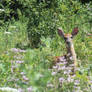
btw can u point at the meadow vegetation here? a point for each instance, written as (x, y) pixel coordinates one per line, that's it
(29, 42)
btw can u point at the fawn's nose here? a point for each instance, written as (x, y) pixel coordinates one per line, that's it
(68, 41)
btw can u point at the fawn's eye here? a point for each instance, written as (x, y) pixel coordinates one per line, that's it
(65, 38)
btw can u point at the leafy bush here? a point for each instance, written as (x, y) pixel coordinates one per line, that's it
(35, 23)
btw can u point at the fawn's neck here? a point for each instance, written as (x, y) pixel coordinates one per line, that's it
(71, 52)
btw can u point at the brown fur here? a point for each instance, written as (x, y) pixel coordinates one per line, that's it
(69, 45)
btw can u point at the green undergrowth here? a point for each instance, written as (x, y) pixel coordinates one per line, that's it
(29, 44)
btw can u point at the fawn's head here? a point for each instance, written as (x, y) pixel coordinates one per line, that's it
(68, 37)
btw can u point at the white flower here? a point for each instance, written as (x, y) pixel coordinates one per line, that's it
(1, 10)
(54, 73)
(30, 89)
(7, 32)
(8, 89)
(76, 82)
(61, 79)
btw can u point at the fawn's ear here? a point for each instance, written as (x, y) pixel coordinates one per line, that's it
(60, 32)
(75, 31)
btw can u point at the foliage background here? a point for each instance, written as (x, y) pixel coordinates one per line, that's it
(31, 25)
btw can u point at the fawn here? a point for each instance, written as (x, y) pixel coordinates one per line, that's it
(69, 46)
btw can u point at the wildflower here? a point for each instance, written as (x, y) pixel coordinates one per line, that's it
(78, 88)
(77, 69)
(69, 68)
(61, 79)
(20, 90)
(14, 50)
(71, 65)
(71, 58)
(76, 82)
(73, 76)
(17, 50)
(25, 78)
(30, 89)
(22, 73)
(69, 79)
(54, 73)
(16, 79)
(67, 72)
(64, 62)
(19, 62)
(62, 59)
(61, 68)
(90, 81)
(19, 57)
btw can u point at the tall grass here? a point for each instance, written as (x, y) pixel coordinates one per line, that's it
(32, 69)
